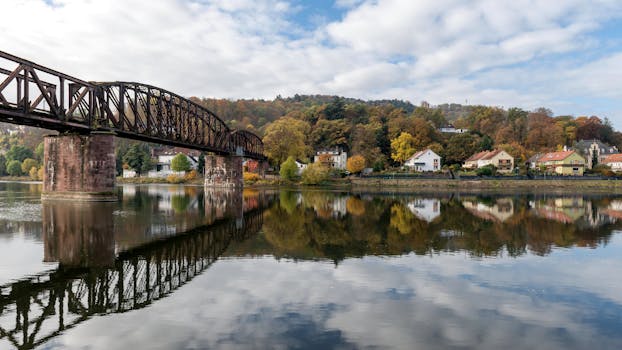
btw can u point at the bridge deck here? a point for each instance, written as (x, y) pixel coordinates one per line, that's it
(33, 95)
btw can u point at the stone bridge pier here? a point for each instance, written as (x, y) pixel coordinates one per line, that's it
(224, 172)
(79, 167)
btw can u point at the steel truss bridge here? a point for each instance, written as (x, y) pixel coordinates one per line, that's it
(34, 95)
(34, 310)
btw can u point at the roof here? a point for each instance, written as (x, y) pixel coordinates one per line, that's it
(484, 155)
(553, 156)
(420, 153)
(613, 158)
(536, 157)
(581, 145)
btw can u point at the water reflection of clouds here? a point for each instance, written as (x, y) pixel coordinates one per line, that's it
(445, 301)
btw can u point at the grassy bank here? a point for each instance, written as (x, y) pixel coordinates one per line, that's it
(572, 185)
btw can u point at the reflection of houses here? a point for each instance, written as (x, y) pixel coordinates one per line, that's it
(562, 163)
(565, 209)
(425, 209)
(498, 158)
(591, 149)
(336, 158)
(614, 210)
(501, 210)
(335, 207)
(425, 160)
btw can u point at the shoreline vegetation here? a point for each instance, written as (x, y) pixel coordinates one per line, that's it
(569, 185)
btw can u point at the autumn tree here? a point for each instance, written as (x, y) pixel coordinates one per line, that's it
(330, 133)
(180, 163)
(286, 137)
(27, 164)
(355, 164)
(402, 147)
(543, 133)
(460, 147)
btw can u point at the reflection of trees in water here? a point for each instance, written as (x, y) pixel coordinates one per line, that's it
(302, 225)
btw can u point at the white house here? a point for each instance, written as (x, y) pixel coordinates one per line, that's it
(425, 160)
(333, 158)
(301, 166)
(614, 161)
(163, 165)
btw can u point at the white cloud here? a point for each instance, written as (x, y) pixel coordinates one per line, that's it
(440, 51)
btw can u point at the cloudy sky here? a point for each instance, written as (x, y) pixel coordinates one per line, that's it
(565, 55)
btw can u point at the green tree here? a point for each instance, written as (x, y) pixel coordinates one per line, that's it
(2, 165)
(201, 164)
(39, 152)
(289, 170)
(14, 168)
(180, 163)
(27, 164)
(330, 133)
(138, 158)
(18, 153)
(402, 147)
(286, 137)
(315, 174)
(460, 147)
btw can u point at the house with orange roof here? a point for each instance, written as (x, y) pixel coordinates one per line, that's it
(614, 161)
(498, 158)
(426, 160)
(568, 163)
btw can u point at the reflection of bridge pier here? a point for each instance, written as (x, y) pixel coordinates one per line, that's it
(78, 235)
(223, 203)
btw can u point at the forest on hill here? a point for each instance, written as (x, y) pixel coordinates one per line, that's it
(384, 132)
(300, 125)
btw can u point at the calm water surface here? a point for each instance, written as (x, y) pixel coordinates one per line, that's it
(173, 267)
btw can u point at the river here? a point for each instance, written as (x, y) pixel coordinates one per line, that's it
(176, 267)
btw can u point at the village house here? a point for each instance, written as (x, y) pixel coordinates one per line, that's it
(450, 129)
(498, 158)
(594, 150)
(562, 163)
(163, 159)
(301, 166)
(614, 161)
(425, 160)
(335, 158)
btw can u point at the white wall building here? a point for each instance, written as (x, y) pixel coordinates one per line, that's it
(335, 158)
(301, 166)
(425, 160)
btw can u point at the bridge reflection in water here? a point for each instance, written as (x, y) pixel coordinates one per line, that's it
(93, 279)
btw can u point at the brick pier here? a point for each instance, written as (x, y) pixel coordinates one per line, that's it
(79, 167)
(223, 171)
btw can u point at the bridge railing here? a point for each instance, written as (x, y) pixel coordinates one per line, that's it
(31, 94)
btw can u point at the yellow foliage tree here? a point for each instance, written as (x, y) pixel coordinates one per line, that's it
(402, 147)
(355, 164)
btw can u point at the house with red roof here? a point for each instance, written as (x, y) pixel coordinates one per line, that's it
(500, 159)
(562, 163)
(614, 161)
